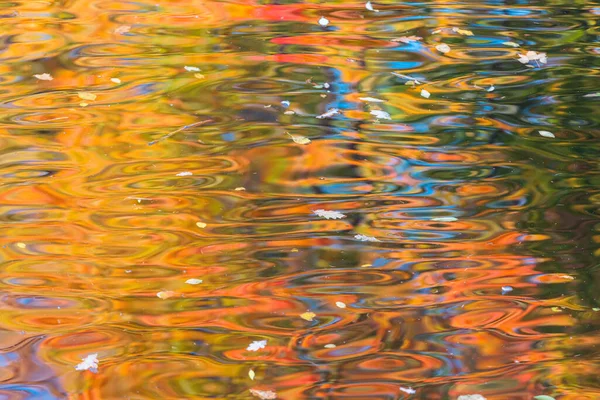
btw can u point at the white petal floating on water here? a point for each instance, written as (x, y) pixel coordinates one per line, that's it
(340, 304)
(86, 96)
(329, 113)
(597, 94)
(191, 69)
(491, 88)
(184, 173)
(407, 39)
(165, 294)
(115, 80)
(369, 7)
(546, 134)
(408, 390)
(257, 345)
(443, 48)
(329, 214)
(543, 397)
(90, 362)
(506, 289)
(425, 93)
(323, 21)
(444, 219)
(511, 44)
(381, 114)
(251, 374)
(365, 238)
(264, 394)
(471, 397)
(193, 281)
(44, 77)
(300, 139)
(330, 346)
(371, 99)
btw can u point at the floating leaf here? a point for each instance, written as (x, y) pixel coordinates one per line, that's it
(471, 397)
(543, 397)
(165, 294)
(251, 374)
(329, 214)
(425, 93)
(193, 281)
(530, 56)
(90, 362)
(86, 96)
(199, 76)
(547, 134)
(381, 114)
(239, 189)
(444, 219)
(21, 245)
(407, 39)
(506, 289)
(462, 31)
(323, 21)
(365, 238)
(264, 394)
(371, 99)
(123, 29)
(185, 173)
(511, 44)
(300, 139)
(443, 48)
(257, 345)
(340, 304)
(329, 113)
(369, 7)
(44, 77)
(597, 94)
(309, 315)
(330, 346)
(191, 69)
(201, 225)
(408, 390)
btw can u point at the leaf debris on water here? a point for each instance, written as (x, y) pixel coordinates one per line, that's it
(544, 397)
(44, 77)
(539, 58)
(323, 21)
(264, 394)
(444, 219)
(184, 173)
(443, 48)
(123, 29)
(546, 134)
(371, 99)
(257, 345)
(308, 316)
(425, 93)
(462, 31)
(193, 281)
(165, 294)
(90, 362)
(511, 44)
(240, 189)
(407, 39)
(471, 397)
(330, 346)
(21, 245)
(168, 135)
(200, 224)
(191, 69)
(251, 374)
(381, 114)
(299, 139)
(329, 214)
(365, 238)
(340, 304)
(115, 80)
(86, 96)
(369, 7)
(330, 113)
(408, 390)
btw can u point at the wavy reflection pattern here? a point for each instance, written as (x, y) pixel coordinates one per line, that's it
(480, 277)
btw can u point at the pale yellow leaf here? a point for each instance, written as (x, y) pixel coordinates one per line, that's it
(44, 77)
(330, 346)
(340, 304)
(308, 316)
(251, 374)
(300, 139)
(201, 225)
(165, 294)
(21, 245)
(443, 48)
(83, 104)
(240, 189)
(86, 96)
(115, 80)
(123, 29)
(199, 76)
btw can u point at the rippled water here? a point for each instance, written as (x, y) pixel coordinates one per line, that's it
(479, 272)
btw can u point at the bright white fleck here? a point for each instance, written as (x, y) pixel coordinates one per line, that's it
(201, 225)
(326, 85)
(443, 48)
(471, 397)
(365, 238)
(285, 103)
(369, 7)
(511, 44)
(185, 173)
(193, 281)
(491, 88)
(425, 93)
(371, 99)
(330, 346)
(264, 394)
(323, 21)
(115, 80)
(381, 114)
(330, 113)
(329, 214)
(191, 69)
(444, 219)
(251, 374)
(257, 345)
(408, 390)
(90, 362)
(547, 134)
(44, 77)
(506, 289)
(340, 304)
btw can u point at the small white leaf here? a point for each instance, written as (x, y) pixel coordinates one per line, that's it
(115, 80)
(329, 214)
(185, 173)
(408, 390)
(257, 345)
(425, 93)
(547, 134)
(193, 281)
(369, 7)
(381, 114)
(165, 294)
(330, 346)
(251, 374)
(90, 362)
(323, 21)
(543, 397)
(365, 238)
(371, 99)
(264, 394)
(191, 69)
(329, 113)
(340, 304)
(471, 397)
(506, 289)
(300, 139)
(443, 48)
(44, 77)
(444, 219)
